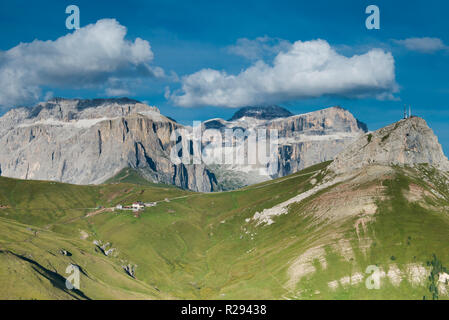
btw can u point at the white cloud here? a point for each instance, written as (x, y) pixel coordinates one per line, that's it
(49, 95)
(117, 92)
(259, 48)
(423, 45)
(308, 69)
(86, 58)
(115, 87)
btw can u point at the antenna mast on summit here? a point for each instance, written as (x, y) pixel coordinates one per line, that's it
(405, 111)
(409, 111)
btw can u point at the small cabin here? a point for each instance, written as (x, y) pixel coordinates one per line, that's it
(138, 205)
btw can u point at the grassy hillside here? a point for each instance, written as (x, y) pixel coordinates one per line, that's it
(130, 175)
(210, 246)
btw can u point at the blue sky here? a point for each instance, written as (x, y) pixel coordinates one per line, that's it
(189, 36)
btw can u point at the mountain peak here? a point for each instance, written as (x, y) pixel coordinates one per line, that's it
(262, 112)
(406, 142)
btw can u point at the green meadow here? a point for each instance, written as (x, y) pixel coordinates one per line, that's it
(206, 245)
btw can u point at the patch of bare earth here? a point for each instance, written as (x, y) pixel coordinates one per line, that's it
(416, 193)
(303, 265)
(417, 273)
(353, 197)
(84, 235)
(414, 273)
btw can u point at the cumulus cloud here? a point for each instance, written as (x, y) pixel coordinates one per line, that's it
(308, 69)
(116, 92)
(259, 48)
(423, 45)
(86, 58)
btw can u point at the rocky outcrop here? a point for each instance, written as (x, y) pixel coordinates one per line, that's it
(130, 270)
(89, 141)
(65, 253)
(407, 142)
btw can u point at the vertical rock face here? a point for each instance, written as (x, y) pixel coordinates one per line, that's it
(89, 141)
(407, 142)
(304, 140)
(314, 137)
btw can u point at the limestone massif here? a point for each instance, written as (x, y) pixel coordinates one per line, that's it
(90, 141)
(303, 140)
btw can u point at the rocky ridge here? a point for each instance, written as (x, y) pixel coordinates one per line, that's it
(407, 142)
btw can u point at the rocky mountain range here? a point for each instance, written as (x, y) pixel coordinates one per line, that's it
(89, 141)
